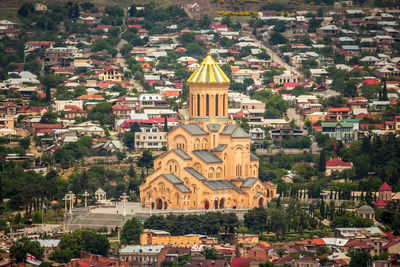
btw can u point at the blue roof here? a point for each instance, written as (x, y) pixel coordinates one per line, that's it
(219, 148)
(249, 182)
(193, 129)
(183, 188)
(207, 156)
(182, 154)
(222, 184)
(195, 173)
(229, 129)
(172, 178)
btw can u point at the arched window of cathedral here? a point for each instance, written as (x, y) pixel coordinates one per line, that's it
(196, 144)
(198, 105)
(204, 144)
(161, 188)
(238, 170)
(194, 188)
(180, 142)
(211, 173)
(186, 180)
(218, 172)
(177, 199)
(173, 167)
(197, 167)
(216, 104)
(207, 105)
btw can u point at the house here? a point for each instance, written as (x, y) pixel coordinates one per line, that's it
(285, 133)
(87, 259)
(72, 112)
(110, 73)
(338, 130)
(286, 77)
(49, 246)
(306, 261)
(327, 30)
(63, 56)
(147, 256)
(337, 114)
(336, 164)
(160, 237)
(40, 8)
(122, 111)
(152, 101)
(150, 138)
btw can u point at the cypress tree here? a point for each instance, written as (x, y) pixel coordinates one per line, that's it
(322, 161)
(384, 93)
(165, 125)
(380, 95)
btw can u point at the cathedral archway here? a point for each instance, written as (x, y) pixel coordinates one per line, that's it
(165, 205)
(222, 203)
(159, 204)
(216, 204)
(206, 204)
(261, 202)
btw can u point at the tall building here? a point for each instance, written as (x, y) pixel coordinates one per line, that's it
(208, 163)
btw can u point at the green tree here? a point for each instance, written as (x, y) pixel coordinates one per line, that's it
(130, 233)
(80, 90)
(165, 124)
(322, 161)
(146, 160)
(129, 140)
(25, 142)
(277, 38)
(85, 240)
(23, 246)
(362, 259)
(61, 255)
(384, 92)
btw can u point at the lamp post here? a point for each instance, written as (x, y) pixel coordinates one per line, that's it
(124, 197)
(71, 198)
(85, 194)
(186, 199)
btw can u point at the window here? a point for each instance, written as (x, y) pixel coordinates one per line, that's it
(207, 105)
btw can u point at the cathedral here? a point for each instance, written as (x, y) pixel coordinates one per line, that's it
(208, 163)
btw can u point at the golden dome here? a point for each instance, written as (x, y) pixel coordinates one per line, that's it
(208, 72)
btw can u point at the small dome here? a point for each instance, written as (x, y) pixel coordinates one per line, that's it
(365, 209)
(99, 192)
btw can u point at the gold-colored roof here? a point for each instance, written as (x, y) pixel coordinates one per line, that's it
(208, 72)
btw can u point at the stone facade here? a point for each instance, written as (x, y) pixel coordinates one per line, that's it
(208, 163)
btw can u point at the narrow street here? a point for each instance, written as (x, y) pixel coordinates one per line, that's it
(291, 113)
(276, 58)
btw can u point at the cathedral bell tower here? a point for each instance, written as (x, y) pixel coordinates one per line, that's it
(208, 86)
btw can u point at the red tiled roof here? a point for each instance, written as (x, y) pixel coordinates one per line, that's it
(121, 107)
(241, 262)
(385, 187)
(136, 26)
(390, 235)
(391, 243)
(370, 81)
(380, 203)
(339, 109)
(336, 162)
(161, 120)
(290, 84)
(319, 241)
(47, 126)
(90, 97)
